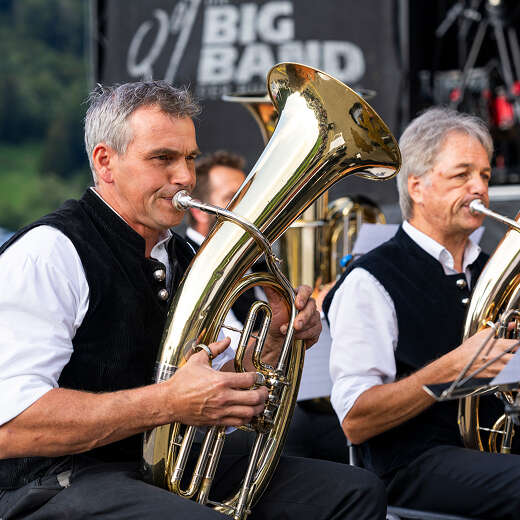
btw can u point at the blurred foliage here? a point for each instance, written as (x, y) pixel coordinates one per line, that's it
(43, 83)
(25, 193)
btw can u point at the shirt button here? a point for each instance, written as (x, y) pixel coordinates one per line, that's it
(464, 301)
(163, 294)
(159, 275)
(461, 283)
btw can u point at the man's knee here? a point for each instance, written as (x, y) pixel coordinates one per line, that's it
(369, 485)
(354, 480)
(364, 494)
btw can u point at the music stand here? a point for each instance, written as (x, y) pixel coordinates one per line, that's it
(467, 384)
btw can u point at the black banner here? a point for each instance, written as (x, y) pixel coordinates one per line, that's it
(227, 46)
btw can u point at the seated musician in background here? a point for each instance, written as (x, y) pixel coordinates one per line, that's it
(314, 430)
(396, 319)
(84, 294)
(219, 175)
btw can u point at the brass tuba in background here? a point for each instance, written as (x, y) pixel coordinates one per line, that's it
(324, 132)
(495, 298)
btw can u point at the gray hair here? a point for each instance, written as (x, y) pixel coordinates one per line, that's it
(424, 137)
(109, 108)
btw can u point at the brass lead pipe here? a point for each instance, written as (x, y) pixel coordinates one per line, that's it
(476, 206)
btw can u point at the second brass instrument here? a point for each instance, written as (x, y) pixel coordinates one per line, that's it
(495, 298)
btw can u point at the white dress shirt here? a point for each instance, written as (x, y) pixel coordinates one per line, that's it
(363, 326)
(44, 296)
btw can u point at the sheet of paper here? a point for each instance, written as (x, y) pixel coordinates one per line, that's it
(510, 373)
(371, 236)
(316, 380)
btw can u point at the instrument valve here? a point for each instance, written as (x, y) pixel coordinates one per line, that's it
(268, 415)
(273, 399)
(277, 383)
(261, 424)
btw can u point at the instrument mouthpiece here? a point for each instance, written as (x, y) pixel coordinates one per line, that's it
(181, 200)
(476, 206)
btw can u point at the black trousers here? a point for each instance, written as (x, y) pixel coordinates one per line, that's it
(316, 434)
(448, 479)
(300, 488)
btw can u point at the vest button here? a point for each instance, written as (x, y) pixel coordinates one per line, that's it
(461, 283)
(163, 294)
(159, 275)
(464, 301)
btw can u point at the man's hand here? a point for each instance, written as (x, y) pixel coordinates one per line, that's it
(203, 396)
(307, 325)
(461, 356)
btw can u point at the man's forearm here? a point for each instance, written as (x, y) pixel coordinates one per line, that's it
(386, 406)
(66, 421)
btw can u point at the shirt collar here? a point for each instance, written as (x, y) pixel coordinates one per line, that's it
(164, 238)
(439, 252)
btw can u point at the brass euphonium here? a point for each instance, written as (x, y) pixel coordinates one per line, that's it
(325, 132)
(495, 299)
(314, 246)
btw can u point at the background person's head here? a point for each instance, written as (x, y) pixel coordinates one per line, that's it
(219, 175)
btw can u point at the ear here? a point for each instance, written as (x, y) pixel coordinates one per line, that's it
(416, 188)
(103, 157)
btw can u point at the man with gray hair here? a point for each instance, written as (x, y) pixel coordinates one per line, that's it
(396, 319)
(84, 295)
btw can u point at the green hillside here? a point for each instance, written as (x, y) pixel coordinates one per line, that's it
(43, 83)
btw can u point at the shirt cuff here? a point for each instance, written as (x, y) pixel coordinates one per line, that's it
(18, 393)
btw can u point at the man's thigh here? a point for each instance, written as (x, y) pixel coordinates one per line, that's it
(101, 491)
(316, 435)
(460, 481)
(303, 488)
(319, 490)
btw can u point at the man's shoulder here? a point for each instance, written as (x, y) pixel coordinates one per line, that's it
(42, 243)
(49, 226)
(363, 267)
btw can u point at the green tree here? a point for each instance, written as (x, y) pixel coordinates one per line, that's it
(63, 151)
(43, 82)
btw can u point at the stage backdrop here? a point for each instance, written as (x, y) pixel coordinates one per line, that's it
(227, 46)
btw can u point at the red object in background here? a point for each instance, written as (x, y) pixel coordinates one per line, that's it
(455, 95)
(503, 115)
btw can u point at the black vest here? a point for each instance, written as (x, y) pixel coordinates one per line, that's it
(116, 346)
(430, 315)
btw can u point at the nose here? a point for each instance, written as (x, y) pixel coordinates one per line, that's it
(478, 185)
(184, 174)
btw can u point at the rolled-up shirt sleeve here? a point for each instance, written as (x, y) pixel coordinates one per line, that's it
(363, 326)
(43, 300)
